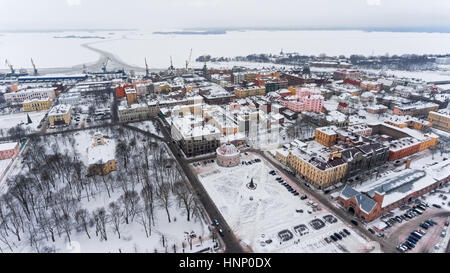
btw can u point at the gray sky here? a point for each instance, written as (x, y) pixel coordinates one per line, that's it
(167, 14)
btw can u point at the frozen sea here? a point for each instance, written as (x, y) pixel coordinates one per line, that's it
(132, 47)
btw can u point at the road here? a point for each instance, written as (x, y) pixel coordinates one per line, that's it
(324, 199)
(232, 243)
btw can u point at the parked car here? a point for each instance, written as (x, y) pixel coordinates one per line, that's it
(371, 231)
(337, 236)
(436, 206)
(221, 232)
(333, 238)
(346, 231)
(304, 196)
(216, 222)
(423, 225)
(354, 222)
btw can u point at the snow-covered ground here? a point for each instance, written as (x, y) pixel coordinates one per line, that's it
(133, 236)
(11, 120)
(258, 215)
(148, 126)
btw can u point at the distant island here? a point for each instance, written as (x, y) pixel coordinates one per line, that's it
(201, 32)
(79, 37)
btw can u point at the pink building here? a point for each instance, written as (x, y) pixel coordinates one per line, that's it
(312, 103)
(9, 150)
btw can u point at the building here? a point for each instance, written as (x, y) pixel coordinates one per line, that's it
(60, 115)
(30, 94)
(228, 155)
(194, 136)
(440, 119)
(9, 150)
(72, 98)
(242, 92)
(320, 172)
(376, 109)
(36, 104)
(326, 135)
(346, 74)
(135, 112)
(375, 199)
(101, 156)
(418, 109)
(131, 95)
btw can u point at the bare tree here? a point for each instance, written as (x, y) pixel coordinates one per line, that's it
(115, 214)
(83, 220)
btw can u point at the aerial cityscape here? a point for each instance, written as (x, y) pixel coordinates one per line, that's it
(224, 139)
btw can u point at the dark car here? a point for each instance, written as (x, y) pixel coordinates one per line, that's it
(425, 226)
(221, 232)
(346, 231)
(304, 196)
(436, 206)
(337, 236)
(354, 222)
(296, 193)
(343, 234)
(216, 222)
(333, 238)
(371, 231)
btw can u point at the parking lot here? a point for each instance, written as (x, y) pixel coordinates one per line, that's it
(400, 233)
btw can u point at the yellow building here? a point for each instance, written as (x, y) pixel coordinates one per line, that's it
(440, 119)
(60, 114)
(320, 173)
(101, 156)
(36, 104)
(242, 92)
(326, 135)
(430, 141)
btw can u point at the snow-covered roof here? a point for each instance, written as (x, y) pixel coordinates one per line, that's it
(227, 149)
(8, 146)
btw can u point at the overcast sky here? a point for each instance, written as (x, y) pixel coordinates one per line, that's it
(169, 14)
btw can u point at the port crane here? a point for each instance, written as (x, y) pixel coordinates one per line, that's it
(10, 67)
(35, 72)
(188, 60)
(105, 64)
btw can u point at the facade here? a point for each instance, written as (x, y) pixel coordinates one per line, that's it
(228, 155)
(131, 95)
(30, 94)
(72, 98)
(242, 92)
(9, 150)
(101, 156)
(364, 157)
(346, 74)
(321, 173)
(135, 112)
(36, 104)
(194, 136)
(326, 135)
(60, 114)
(440, 119)
(419, 109)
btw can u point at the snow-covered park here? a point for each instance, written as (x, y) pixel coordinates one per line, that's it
(136, 208)
(260, 217)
